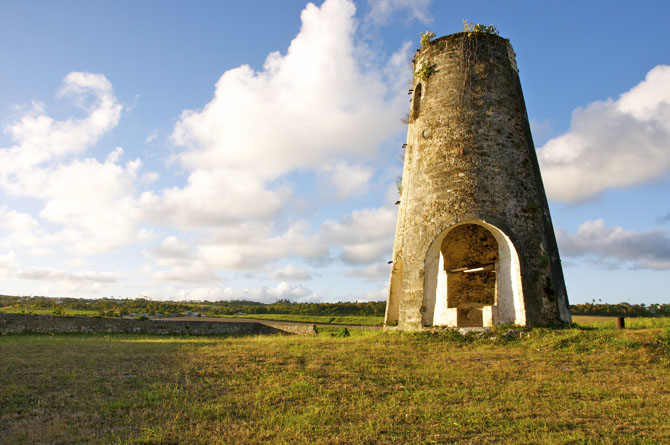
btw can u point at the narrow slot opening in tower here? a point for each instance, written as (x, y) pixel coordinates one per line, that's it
(416, 101)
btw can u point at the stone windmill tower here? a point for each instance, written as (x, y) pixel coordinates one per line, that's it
(474, 243)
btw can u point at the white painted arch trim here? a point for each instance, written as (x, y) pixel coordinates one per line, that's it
(509, 305)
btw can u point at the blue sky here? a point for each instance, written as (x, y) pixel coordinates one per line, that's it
(226, 150)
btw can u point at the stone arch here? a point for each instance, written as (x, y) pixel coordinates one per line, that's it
(472, 277)
(416, 101)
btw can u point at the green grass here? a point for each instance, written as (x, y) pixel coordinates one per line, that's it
(631, 322)
(66, 312)
(357, 320)
(574, 385)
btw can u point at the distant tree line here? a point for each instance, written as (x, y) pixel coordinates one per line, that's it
(621, 309)
(111, 307)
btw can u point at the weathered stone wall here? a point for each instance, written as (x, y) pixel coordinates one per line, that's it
(470, 158)
(23, 323)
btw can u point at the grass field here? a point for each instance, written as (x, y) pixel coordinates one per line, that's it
(65, 312)
(631, 322)
(589, 384)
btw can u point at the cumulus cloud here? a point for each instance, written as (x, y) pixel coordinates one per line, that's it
(251, 245)
(21, 230)
(325, 106)
(192, 272)
(364, 236)
(648, 249)
(55, 275)
(56, 282)
(612, 143)
(213, 197)
(303, 107)
(347, 179)
(40, 138)
(321, 101)
(180, 263)
(94, 203)
(382, 10)
(8, 264)
(289, 273)
(263, 294)
(372, 272)
(91, 201)
(173, 248)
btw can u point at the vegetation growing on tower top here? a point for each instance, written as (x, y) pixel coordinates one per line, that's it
(426, 37)
(472, 28)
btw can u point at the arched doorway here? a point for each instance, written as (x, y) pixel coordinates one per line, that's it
(472, 278)
(470, 255)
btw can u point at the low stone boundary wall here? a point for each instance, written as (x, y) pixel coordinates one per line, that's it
(47, 324)
(288, 327)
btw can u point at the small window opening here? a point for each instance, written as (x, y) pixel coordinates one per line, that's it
(416, 102)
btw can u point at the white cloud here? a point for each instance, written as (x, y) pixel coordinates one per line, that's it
(251, 245)
(183, 266)
(21, 230)
(327, 101)
(644, 250)
(40, 138)
(320, 101)
(90, 201)
(380, 294)
(8, 264)
(612, 144)
(282, 290)
(289, 273)
(364, 236)
(213, 197)
(263, 294)
(375, 271)
(94, 203)
(347, 179)
(51, 275)
(59, 282)
(381, 10)
(173, 248)
(194, 272)
(304, 107)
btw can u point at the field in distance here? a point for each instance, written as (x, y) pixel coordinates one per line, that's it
(579, 384)
(342, 313)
